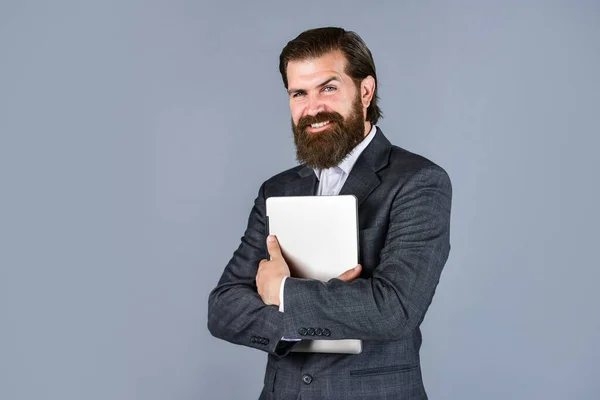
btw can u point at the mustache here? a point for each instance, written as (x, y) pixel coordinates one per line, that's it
(308, 120)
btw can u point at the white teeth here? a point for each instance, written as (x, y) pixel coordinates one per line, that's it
(320, 124)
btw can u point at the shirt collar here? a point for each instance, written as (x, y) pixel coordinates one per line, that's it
(348, 162)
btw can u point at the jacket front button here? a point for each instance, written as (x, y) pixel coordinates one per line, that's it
(307, 379)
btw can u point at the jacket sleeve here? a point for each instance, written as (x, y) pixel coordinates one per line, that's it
(236, 313)
(393, 301)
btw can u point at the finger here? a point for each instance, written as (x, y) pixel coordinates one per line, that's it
(351, 274)
(273, 247)
(264, 260)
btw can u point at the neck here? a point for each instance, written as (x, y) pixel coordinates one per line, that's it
(368, 127)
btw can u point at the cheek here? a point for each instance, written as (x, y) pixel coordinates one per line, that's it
(296, 112)
(336, 103)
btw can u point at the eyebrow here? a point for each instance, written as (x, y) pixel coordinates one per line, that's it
(332, 78)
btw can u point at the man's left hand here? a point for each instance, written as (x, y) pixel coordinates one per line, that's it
(271, 273)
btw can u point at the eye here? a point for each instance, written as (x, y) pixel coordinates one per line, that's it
(329, 88)
(298, 94)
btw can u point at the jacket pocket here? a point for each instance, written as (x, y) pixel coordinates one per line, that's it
(392, 369)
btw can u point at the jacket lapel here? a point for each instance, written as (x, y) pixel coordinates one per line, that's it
(363, 177)
(361, 181)
(305, 186)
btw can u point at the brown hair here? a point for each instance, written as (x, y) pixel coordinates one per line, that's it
(314, 43)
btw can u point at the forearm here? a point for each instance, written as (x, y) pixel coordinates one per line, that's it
(366, 309)
(238, 315)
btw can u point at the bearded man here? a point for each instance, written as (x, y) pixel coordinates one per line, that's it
(404, 205)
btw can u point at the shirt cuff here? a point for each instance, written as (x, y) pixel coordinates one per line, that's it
(281, 294)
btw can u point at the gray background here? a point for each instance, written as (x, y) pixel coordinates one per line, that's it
(135, 135)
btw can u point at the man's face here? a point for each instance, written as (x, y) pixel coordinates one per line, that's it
(328, 117)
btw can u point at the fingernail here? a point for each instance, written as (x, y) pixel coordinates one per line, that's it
(356, 267)
(270, 238)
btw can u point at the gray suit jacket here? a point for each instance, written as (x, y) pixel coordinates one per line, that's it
(404, 217)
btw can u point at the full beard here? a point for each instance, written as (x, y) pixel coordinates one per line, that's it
(328, 148)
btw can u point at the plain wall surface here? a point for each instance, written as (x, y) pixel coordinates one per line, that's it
(134, 136)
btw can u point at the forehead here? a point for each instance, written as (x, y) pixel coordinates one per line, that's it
(306, 72)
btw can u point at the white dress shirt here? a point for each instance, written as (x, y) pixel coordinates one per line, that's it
(332, 180)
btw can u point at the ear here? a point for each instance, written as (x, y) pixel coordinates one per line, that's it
(367, 90)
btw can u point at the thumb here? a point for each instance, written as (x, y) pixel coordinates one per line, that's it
(273, 247)
(351, 274)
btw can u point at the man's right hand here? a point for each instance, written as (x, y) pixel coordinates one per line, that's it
(351, 274)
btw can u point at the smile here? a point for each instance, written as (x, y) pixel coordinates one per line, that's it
(319, 125)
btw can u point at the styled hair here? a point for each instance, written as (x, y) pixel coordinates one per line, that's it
(315, 43)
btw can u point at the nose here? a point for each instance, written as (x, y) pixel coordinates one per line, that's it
(315, 105)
